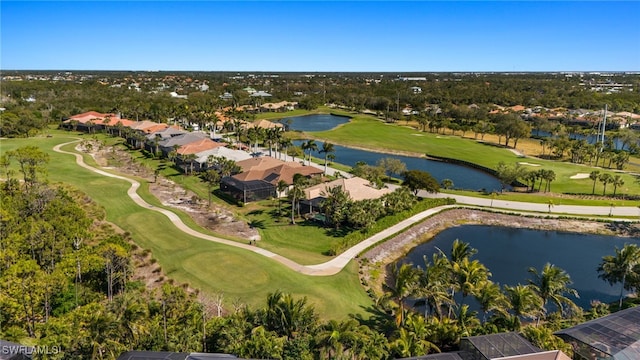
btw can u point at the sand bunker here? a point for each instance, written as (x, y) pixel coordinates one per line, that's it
(417, 134)
(580, 176)
(528, 164)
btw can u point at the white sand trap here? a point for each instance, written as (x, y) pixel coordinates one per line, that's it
(580, 176)
(528, 164)
(442, 137)
(417, 134)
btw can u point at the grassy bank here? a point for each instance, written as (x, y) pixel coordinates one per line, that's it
(211, 267)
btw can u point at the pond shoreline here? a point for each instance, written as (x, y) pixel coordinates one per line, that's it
(398, 246)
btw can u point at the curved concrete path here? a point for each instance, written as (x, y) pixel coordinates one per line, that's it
(336, 264)
(330, 267)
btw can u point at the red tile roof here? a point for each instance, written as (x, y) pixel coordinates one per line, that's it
(199, 146)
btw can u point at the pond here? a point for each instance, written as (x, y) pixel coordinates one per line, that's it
(509, 252)
(315, 122)
(463, 177)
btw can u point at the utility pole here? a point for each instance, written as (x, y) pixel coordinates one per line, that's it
(604, 126)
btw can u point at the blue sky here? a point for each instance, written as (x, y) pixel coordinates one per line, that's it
(419, 36)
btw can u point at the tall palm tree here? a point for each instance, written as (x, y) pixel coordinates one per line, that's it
(491, 299)
(401, 286)
(617, 181)
(335, 338)
(468, 276)
(434, 284)
(552, 283)
(605, 179)
(287, 316)
(617, 268)
(284, 144)
(594, 175)
(327, 148)
(525, 303)
(281, 187)
(296, 194)
(311, 146)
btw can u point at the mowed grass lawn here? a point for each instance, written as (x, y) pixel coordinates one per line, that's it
(211, 267)
(367, 132)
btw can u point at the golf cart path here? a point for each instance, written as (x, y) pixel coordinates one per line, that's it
(328, 268)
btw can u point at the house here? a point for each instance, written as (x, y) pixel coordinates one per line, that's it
(261, 175)
(505, 346)
(261, 94)
(265, 124)
(416, 89)
(356, 188)
(615, 336)
(175, 142)
(226, 96)
(222, 151)
(177, 96)
(250, 90)
(166, 355)
(279, 106)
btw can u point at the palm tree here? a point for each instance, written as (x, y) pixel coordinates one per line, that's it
(402, 285)
(281, 187)
(296, 194)
(284, 143)
(552, 283)
(605, 179)
(212, 177)
(616, 181)
(524, 301)
(594, 175)
(327, 148)
(311, 146)
(414, 338)
(434, 284)
(468, 275)
(336, 338)
(491, 298)
(191, 158)
(617, 268)
(288, 317)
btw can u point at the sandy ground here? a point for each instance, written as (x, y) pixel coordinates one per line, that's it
(579, 176)
(215, 218)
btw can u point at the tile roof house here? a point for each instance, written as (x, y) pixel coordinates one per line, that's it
(357, 189)
(265, 124)
(222, 151)
(198, 146)
(260, 175)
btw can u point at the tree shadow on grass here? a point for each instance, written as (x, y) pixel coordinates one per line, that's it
(256, 212)
(257, 224)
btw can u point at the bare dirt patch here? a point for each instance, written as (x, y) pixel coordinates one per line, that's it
(216, 218)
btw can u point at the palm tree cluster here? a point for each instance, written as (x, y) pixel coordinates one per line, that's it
(448, 285)
(606, 179)
(341, 211)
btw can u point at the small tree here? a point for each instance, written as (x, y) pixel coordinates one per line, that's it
(420, 180)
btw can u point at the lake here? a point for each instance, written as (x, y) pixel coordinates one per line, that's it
(509, 252)
(463, 177)
(315, 122)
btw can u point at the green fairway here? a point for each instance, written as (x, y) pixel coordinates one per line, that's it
(205, 265)
(367, 132)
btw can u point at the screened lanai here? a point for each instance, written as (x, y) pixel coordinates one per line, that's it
(615, 336)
